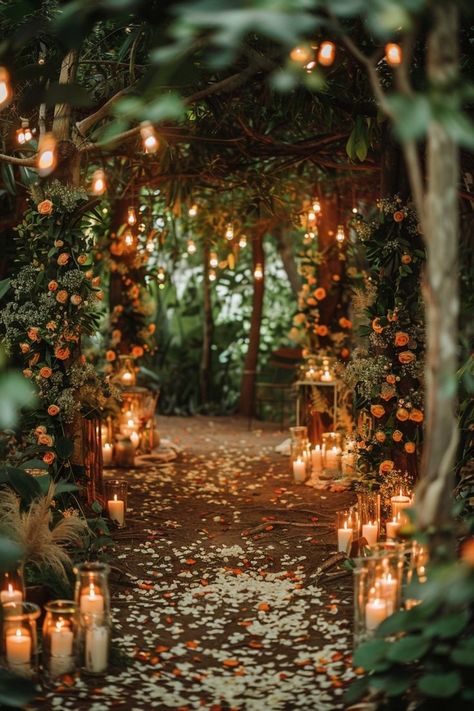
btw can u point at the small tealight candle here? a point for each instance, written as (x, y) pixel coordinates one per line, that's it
(299, 470)
(326, 377)
(393, 527)
(18, 647)
(344, 538)
(116, 509)
(92, 603)
(127, 378)
(370, 532)
(375, 611)
(399, 503)
(332, 458)
(107, 454)
(10, 595)
(317, 458)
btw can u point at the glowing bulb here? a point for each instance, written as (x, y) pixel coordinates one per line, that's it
(243, 241)
(316, 206)
(128, 238)
(340, 234)
(20, 136)
(149, 138)
(258, 271)
(131, 216)
(161, 275)
(99, 184)
(393, 54)
(191, 247)
(212, 275)
(5, 89)
(193, 210)
(355, 210)
(302, 55)
(327, 53)
(229, 232)
(213, 261)
(311, 216)
(150, 245)
(46, 160)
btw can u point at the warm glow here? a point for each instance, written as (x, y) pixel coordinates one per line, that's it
(243, 241)
(340, 234)
(149, 138)
(128, 238)
(161, 276)
(229, 232)
(131, 216)
(302, 55)
(213, 261)
(115, 497)
(327, 53)
(311, 216)
(5, 89)
(258, 271)
(393, 54)
(191, 247)
(355, 210)
(193, 210)
(24, 134)
(46, 154)
(99, 184)
(92, 590)
(316, 206)
(212, 275)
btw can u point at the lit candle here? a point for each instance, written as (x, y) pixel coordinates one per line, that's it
(18, 648)
(369, 532)
(388, 591)
(348, 461)
(332, 458)
(107, 454)
(299, 471)
(116, 509)
(92, 603)
(393, 527)
(375, 612)
(135, 439)
(126, 378)
(326, 377)
(11, 595)
(317, 458)
(61, 640)
(344, 538)
(96, 649)
(399, 503)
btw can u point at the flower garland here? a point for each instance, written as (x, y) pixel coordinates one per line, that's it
(387, 374)
(52, 302)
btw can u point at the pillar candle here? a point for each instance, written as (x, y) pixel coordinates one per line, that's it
(18, 647)
(126, 378)
(369, 532)
(388, 591)
(317, 458)
(399, 503)
(107, 452)
(92, 603)
(135, 439)
(326, 377)
(344, 538)
(116, 508)
(96, 649)
(11, 595)
(393, 527)
(332, 458)
(299, 471)
(375, 613)
(62, 639)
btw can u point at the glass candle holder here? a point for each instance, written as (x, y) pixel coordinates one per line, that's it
(124, 452)
(20, 638)
(416, 572)
(299, 460)
(368, 509)
(299, 433)
(12, 585)
(332, 451)
(126, 376)
(60, 636)
(92, 589)
(347, 529)
(95, 643)
(116, 500)
(377, 589)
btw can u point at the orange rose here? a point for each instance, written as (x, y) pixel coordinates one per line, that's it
(53, 285)
(402, 414)
(41, 429)
(24, 347)
(34, 360)
(322, 330)
(320, 293)
(45, 439)
(345, 322)
(53, 410)
(406, 259)
(99, 295)
(110, 356)
(49, 457)
(386, 466)
(137, 351)
(391, 379)
(398, 216)
(397, 436)
(311, 302)
(345, 353)
(467, 552)
(387, 393)
(58, 243)
(410, 447)
(392, 316)
(28, 373)
(336, 277)
(62, 352)
(401, 338)
(45, 207)
(377, 410)
(406, 357)
(89, 274)
(380, 436)
(116, 334)
(76, 299)
(62, 296)
(416, 415)
(33, 333)
(70, 336)
(361, 444)
(63, 259)
(82, 259)
(46, 372)
(376, 326)
(51, 325)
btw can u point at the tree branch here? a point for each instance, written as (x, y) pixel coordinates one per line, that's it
(27, 162)
(86, 124)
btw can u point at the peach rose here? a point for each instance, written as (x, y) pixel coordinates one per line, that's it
(62, 296)
(53, 285)
(398, 216)
(416, 415)
(380, 436)
(401, 338)
(386, 466)
(110, 356)
(392, 316)
(63, 259)
(322, 330)
(76, 299)
(391, 379)
(89, 274)
(376, 325)
(406, 259)
(320, 293)
(345, 322)
(410, 447)
(45, 439)
(387, 393)
(33, 333)
(58, 243)
(45, 372)
(82, 259)
(137, 351)
(70, 336)
(41, 429)
(311, 302)
(397, 436)
(53, 410)
(51, 325)
(118, 309)
(377, 410)
(62, 352)
(402, 414)
(336, 277)
(345, 353)
(467, 552)
(406, 357)
(45, 207)
(49, 457)
(25, 347)
(27, 372)
(116, 334)
(151, 328)
(99, 295)
(34, 360)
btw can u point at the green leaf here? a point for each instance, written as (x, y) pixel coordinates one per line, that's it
(440, 685)
(34, 464)
(25, 485)
(370, 653)
(10, 553)
(356, 691)
(408, 649)
(395, 623)
(15, 691)
(447, 626)
(65, 487)
(412, 115)
(96, 507)
(463, 653)
(4, 287)
(64, 447)
(8, 177)
(358, 142)
(393, 684)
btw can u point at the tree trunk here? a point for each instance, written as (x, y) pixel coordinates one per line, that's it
(331, 264)
(441, 283)
(284, 246)
(247, 388)
(208, 331)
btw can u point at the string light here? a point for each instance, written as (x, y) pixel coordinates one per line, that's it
(193, 210)
(150, 245)
(46, 161)
(302, 55)
(316, 206)
(258, 271)
(327, 53)
(161, 277)
(213, 260)
(212, 275)
(24, 134)
(355, 210)
(243, 241)
(340, 234)
(99, 183)
(131, 216)
(128, 239)
(393, 54)
(149, 138)
(311, 216)
(229, 232)
(5, 88)
(191, 247)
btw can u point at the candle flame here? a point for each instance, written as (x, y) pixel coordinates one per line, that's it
(115, 497)
(18, 633)
(92, 590)
(10, 588)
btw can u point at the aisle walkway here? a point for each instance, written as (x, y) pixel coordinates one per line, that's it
(217, 619)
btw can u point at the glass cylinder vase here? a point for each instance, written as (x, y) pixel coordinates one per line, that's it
(60, 637)
(299, 460)
(95, 643)
(116, 500)
(368, 509)
(20, 637)
(124, 452)
(12, 585)
(92, 589)
(332, 452)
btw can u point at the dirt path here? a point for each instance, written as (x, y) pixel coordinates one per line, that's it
(218, 619)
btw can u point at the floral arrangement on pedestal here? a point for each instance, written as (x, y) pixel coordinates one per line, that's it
(52, 302)
(387, 374)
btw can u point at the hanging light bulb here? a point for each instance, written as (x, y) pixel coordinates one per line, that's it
(99, 183)
(258, 272)
(327, 53)
(191, 247)
(212, 275)
(229, 232)
(311, 216)
(213, 260)
(128, 239)
(193, 210)
(340, 234)
(131, 216)
(24, 134)
(161, 275)
(301, 54)
(393, 54)
(150, 245)
(243, 241)
(316, 206)
(46, 160)
(149, 138)
(5, 88)
(355, 210)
